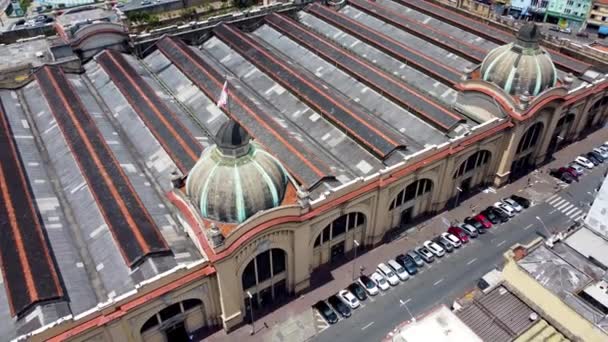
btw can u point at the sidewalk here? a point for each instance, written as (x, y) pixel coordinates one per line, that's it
(295, 321)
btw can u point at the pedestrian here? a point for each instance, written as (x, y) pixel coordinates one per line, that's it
(265, 325)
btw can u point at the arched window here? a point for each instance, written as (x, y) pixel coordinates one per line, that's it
(340, 226)
(264, 266)
(415, 189)
(530, 138)
(476, 160)
(169, 312)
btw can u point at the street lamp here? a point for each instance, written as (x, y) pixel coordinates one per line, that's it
(251, 312)
(356, 244)
(544, 226)
(408, 310)
(458, 195)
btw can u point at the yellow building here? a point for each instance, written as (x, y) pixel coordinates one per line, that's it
(598, 14)
(159, 214)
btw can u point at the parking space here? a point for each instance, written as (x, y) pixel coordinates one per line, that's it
(580, 166)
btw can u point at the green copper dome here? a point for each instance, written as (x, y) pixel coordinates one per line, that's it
(235, 178)
(521, 67)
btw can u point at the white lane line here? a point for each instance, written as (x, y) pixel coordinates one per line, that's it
(471, 261)
(565, 206)
(561, 201)
(438, 282)
(552, 211)
(501, 243)
(367, 325)
(572, 210)
(552, 198)
(577, 216)
(528, 226)
(407, 300)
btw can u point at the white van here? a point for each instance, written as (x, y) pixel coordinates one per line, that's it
(388, 273)
(399, 270)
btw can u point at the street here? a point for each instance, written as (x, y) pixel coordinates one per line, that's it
(453, 275)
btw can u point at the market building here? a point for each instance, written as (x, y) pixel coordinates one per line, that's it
(136, 206)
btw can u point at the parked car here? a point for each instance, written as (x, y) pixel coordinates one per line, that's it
(399, 270)
(338, 305)
(595, 155)
(507, 209)
(358, 291)
(582, 34)
(452, 239)
(388, 274)
(425, 254)
(524, 202)
(510, 202)
(326, 312)
(584, 162)
(446, 245)
(459, 233)
(602, 152)
(473, 222)
(408, 263)
(571, 171)
(349, 299)
(380, 281)
(369, 285)
(491, 216)
(577, 168)
(483, 220)
(416, 257)
(434, 248)
(502, 215)
(471, 231)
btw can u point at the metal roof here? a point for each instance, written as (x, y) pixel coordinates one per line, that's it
(590, 245)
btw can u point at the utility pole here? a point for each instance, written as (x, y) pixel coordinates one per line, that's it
(251, 313)
(355, 245)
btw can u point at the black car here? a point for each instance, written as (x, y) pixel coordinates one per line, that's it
(328, 314)
(474, 223)
(592, 159)
(491, 216)
(501, 215)
(597, 157)
(408, 263)
(445, 245)
(524, 202)
(339, 306)
(358, 291)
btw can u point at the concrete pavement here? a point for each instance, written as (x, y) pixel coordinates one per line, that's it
(445, 280)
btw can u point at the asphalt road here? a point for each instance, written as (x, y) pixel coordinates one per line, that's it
(455, 274)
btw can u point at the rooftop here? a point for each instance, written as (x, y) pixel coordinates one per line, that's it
(598, 214)
(440, 325)
(33, 51)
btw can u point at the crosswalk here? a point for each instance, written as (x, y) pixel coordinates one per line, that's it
(320, 322)
(565, 207)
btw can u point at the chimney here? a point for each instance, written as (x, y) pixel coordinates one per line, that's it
(568, 80)
(215, 236)
(177, 180)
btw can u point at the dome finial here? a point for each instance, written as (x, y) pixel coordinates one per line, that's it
(232, 139)
(529, 35)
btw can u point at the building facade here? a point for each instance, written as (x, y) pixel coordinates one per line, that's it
(567, 13)
(327, 141)
(598, 15)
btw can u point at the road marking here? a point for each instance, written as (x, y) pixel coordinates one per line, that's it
(367, 325)
(407, 300)
(501, 243)
(438, 282)
(572, 210)
(528, 226)
(552, 197)
(552, 211)
(557, 203)
(564, 206)
(471, 261)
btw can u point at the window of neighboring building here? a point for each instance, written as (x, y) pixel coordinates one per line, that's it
(264, 266)
(150, 323)
(603, 18)
(340, 226)
(415, 189)
(476, 160)
(530, 138)
(170, 311)
(567, 11)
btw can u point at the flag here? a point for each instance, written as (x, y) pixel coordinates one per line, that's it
(223, 100)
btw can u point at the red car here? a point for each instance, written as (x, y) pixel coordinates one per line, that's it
(459, 233)
(483, 220)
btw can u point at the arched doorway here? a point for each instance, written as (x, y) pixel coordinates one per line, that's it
(175, 322)
(560, 134)
(525, 154)
(594, 119)
(411, 202)
(471, 173)
(338, 237)
(264, 281)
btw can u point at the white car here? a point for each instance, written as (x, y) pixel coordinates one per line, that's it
(388, 273)
(584, 162)
(369, 285)
(507, 209)
(518, 208)
(452, 239)
(349, 299)
(434, 248)
(603, 147)
(398, 269)
(469, 230)
(602, 152)
(577, 168)
(380, 281)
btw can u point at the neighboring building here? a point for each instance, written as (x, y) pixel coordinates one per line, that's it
(64, 3)
(439, 325)
(520, 8)
(568, 13)
(538, 9)
(598, 15)
(136, 209)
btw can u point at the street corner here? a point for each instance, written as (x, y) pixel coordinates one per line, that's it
(296, 327)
